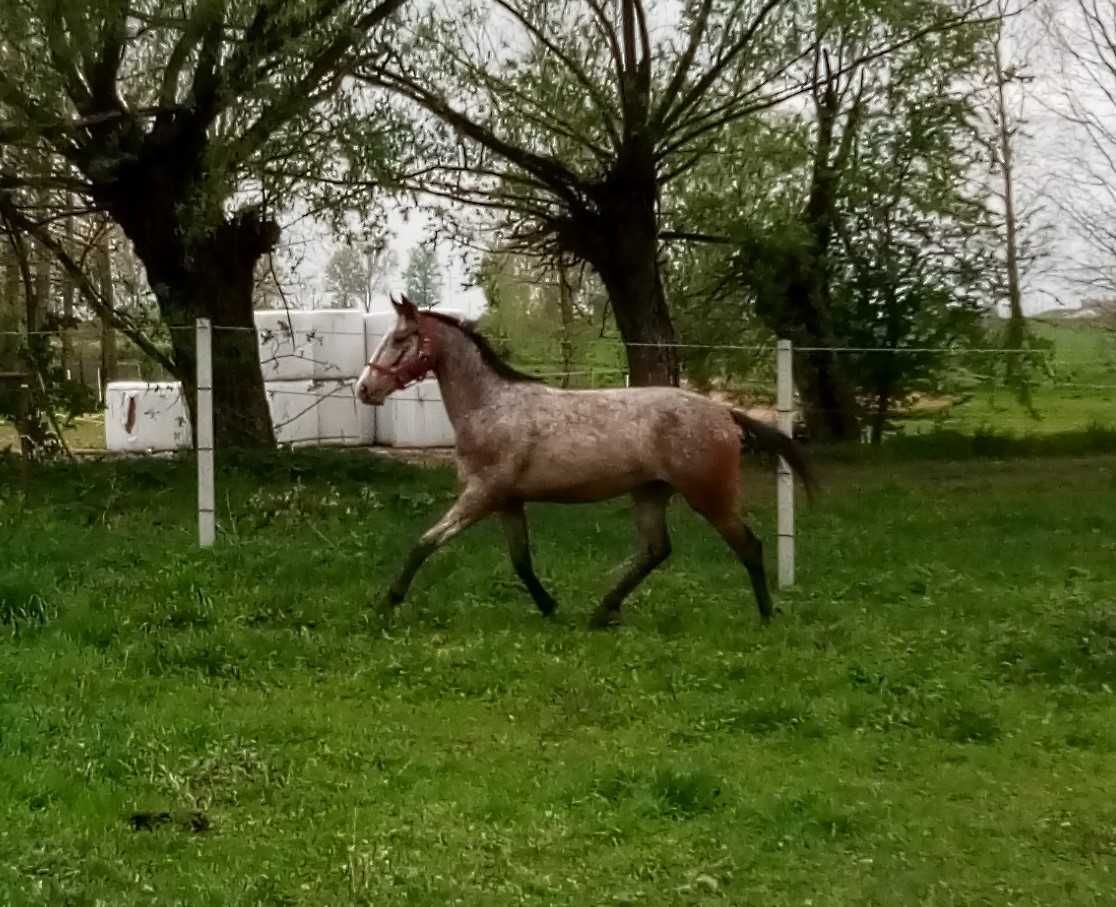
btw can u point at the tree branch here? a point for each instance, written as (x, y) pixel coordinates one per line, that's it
(714, 72)
(550, 171)
(16, 220)
(697, 34)
(606, 110)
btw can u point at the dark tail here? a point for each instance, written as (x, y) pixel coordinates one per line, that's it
(765, 437)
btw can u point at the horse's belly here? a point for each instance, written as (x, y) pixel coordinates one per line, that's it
(580, 492)
(559, 478)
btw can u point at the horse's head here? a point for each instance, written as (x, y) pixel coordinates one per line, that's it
(404, 356)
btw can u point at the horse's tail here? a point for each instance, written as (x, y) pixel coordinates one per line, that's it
(768, 438)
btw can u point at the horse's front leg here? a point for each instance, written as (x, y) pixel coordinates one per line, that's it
(468, 509)
(519, 547)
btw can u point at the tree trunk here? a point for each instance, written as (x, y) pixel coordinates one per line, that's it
(108, 332)
(566, 319)
(795, 308)
(644, 322)
(10, 318)
(879, 417)
(210, 277)
(39, 300)
(67, 323)
(218, 285)
(830, 408)
(1016, 328)
(621, 242)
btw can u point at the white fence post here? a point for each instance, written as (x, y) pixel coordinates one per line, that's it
(784, 408)
(207, 516)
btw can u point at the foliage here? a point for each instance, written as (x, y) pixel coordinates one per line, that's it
(903, 732)
(423, 277)
(856, 224)
(551, 323)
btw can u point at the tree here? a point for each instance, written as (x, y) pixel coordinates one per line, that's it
(184, 121)
(347, 279)
(1010, 44)
(356, 273)
(573, 123)
(423, 277)
(1083, 35)
(785, 250)
(915, 239)
(818, 216)
(548, 321)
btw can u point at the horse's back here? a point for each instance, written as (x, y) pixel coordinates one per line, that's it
(591, 445)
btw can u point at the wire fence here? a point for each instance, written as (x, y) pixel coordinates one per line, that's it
(1091, 372)
(310, 387)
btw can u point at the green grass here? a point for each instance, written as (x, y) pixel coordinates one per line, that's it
(1079, 392)
(83, 433)
(931, 720)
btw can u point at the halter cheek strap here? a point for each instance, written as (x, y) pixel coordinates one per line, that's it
(407, 374)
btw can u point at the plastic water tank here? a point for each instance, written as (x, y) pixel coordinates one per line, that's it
(143, 416)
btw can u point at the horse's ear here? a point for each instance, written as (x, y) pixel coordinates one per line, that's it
(405, 308)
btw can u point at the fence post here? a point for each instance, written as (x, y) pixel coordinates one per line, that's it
(784, 408)
(207, 516)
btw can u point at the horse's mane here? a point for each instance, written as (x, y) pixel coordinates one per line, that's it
(488, 354)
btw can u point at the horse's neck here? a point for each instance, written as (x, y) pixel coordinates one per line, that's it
(465, 379)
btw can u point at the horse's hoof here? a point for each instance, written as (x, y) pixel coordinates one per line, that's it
(547, 608)
(386, 607)
(604, 619)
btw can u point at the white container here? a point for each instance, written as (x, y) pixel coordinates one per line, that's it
(415, 417)
(300, 345)
(319, 412)
(342, 419)
(293, 406)
(376, 325)
(143, 416)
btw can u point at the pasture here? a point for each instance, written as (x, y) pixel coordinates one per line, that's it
(931, 719)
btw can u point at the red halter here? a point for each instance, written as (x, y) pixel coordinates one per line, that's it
(418, 368)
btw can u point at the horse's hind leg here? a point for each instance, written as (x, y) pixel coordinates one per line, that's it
(717, 502)
(650, 503)
(471, 506)
(519, 547)
(749, 551)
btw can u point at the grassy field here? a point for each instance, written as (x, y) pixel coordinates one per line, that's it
(1079, 389)
(931, 720)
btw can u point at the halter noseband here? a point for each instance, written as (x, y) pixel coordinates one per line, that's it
(417, 369)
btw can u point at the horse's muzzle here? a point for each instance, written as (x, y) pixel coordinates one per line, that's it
(365, 396)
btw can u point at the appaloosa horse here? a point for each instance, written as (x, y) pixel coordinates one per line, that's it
(519, 440)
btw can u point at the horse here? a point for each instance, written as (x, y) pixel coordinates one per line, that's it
(519, 440)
